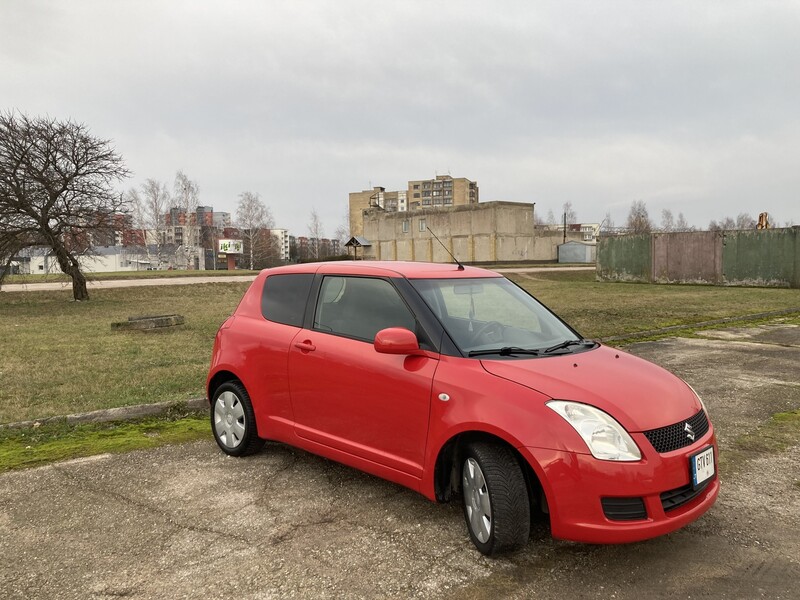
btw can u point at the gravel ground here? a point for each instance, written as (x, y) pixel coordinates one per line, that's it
(189, 522)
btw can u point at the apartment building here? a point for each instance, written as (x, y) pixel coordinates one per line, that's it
(443, 191)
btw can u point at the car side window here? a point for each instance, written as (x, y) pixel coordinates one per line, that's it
(284, 298)
(360, 307)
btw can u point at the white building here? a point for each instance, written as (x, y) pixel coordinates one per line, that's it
(282, 235)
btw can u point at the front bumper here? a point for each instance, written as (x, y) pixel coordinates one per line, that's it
(576, 484)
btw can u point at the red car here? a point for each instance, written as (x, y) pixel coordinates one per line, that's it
(454, 381)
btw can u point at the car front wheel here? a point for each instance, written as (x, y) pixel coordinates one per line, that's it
(496, 505)
(233, 421)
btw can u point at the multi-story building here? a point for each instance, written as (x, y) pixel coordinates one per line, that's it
(282, 239)
(443, 191)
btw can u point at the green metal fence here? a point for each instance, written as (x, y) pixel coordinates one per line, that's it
(757, 258)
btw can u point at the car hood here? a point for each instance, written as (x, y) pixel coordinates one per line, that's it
(637, 393)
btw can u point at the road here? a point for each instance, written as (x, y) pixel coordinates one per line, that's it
(188, 522)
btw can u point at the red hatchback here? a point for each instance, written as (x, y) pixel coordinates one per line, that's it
(454, 381)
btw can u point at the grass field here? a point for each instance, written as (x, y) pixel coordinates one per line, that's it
(59, 357)
(598, 309)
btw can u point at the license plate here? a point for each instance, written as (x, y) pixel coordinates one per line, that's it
(702, 466)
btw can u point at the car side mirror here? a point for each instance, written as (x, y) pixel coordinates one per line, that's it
(396, 340)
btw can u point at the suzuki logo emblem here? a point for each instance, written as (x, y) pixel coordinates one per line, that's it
(689, 431)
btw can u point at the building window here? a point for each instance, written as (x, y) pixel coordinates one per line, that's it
(448, 201)
(426, 202)
(437, 201)
(448, 192)
(416, 186)
(448, 183)
(426, 193)
(437, 193)
(426, 185)
(405, 225)
(416, 194)
(422, 225)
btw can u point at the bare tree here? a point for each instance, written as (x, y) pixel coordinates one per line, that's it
(726, 224)
(607, 224)
(149, 207)
(681, 224)
(745, 221)
(342, 232)
(638, 219)
(255, 222)
(667, 220)
(569, 213)
(185, 194)
(56, 189)
(316, 232)
(551, 218)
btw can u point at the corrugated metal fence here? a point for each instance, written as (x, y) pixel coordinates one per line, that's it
(758, 258)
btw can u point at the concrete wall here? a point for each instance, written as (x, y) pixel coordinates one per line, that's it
(768, 257)
(625, 258)
(486, 232)
(761, 258)
(690, 257)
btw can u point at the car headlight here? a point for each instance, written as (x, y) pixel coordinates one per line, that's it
(606, 439)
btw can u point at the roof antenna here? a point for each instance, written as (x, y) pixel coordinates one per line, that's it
(458, 262)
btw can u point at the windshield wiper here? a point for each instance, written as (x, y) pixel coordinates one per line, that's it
(505, 351)
(567, 344)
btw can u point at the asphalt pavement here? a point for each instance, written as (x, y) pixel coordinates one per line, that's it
(186, 521)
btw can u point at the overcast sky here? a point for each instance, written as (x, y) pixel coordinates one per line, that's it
(690, 106)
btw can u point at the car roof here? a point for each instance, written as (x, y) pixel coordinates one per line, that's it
(386, 268)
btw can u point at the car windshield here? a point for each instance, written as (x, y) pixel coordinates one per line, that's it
(492, 316)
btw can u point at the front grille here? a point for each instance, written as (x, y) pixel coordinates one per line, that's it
(674, 437)
(624, 509)
(679, 496)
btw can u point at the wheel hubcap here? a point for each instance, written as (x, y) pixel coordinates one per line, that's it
(229, 419)
(476, 500)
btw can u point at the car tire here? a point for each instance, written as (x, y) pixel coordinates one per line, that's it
(233, 421)
(495, 498)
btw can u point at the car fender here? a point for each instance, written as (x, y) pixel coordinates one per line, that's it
(466, 398)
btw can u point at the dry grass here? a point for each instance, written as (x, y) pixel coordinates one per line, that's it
(598, 309)
(59, 357)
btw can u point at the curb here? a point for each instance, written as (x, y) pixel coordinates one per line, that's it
(123, 413)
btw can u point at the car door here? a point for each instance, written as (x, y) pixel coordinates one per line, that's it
(348, 396)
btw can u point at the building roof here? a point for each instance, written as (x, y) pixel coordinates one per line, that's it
(358, 241)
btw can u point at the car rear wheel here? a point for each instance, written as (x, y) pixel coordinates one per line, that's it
(233, 421)
(496, 505)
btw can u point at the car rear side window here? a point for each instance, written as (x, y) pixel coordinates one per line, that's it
(284, 298)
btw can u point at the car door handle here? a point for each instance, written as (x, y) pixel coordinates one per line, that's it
(306, 346)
